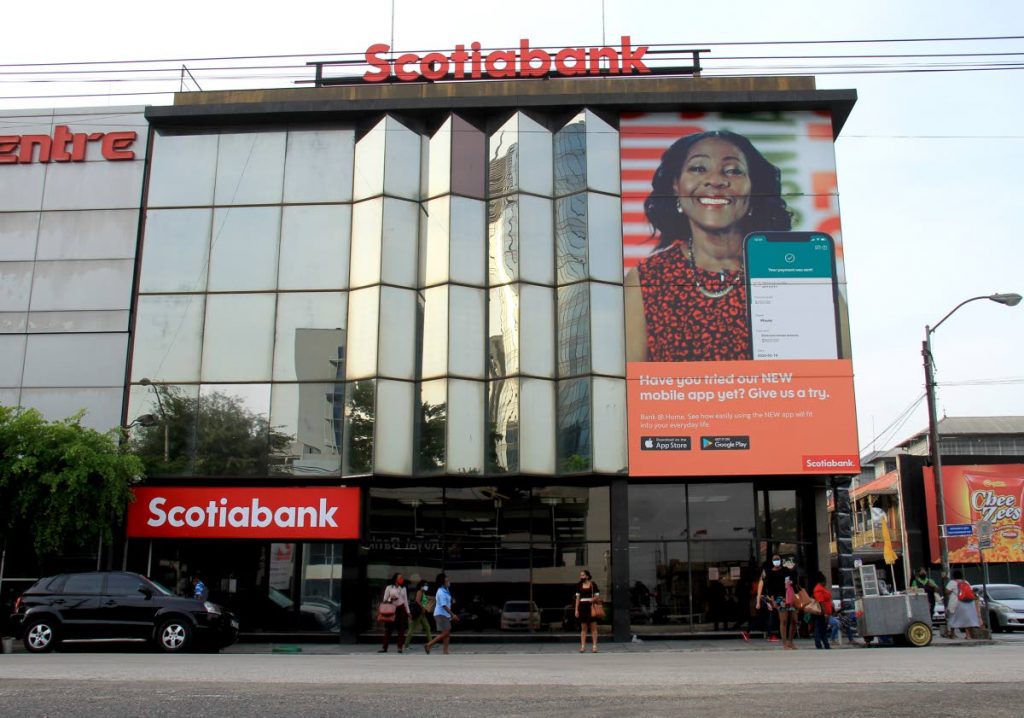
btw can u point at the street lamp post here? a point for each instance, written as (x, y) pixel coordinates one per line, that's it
(163, 416)
(1010, 300)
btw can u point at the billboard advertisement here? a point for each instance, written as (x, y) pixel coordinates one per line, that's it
(992, 493)
(737, 335)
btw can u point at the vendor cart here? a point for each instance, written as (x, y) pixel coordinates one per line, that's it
(905, 617)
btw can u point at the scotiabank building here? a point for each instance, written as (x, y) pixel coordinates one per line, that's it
(508, 321)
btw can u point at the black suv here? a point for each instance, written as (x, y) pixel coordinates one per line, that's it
(116, 605)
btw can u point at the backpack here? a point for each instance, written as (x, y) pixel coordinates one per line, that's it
(965, 592)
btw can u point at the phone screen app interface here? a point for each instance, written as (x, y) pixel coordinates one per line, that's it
(792, 305)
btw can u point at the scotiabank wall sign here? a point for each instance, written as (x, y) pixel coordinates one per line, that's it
(66, 146)
(475, 64)
(307, 514)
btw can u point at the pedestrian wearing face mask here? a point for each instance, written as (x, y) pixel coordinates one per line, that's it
(396, 594)
(776, 582)
(924, 583)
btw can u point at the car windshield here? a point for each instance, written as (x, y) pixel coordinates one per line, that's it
(1006, 593)
(517, 607)
(160, 588)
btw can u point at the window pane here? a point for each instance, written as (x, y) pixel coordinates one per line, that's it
(18, 232)
(466, 355)
(465, 427)
(243, 253)
(657, 512)
(439, 162)
(320, 587)
(309, 344)
(503, 426)
(250, 168)
(319, 165)
(175, 252)
(315, 247)
(367, 219)
(571, 238)
(361, 352)
(468, 241)
(310, 416)
(503, 343)
(393, 440)
(360, 414)
(368, 180)
(15, 286)
(503, 159)
(87, 583)
(722, 511)
(602, 155)
(610, 456)
(102, 284)
(235, 437)
(536, 240)
(537, 335)
(607, 324)
(538, 427)
(397, 356)
(174, 437)
(75, 360)
(99, 234)
(434, 362)
(239, 337)
(400, 233)
(168, 338)
(182, 170)
(435, 233)
(571, 514)
(12, 359)
(573, 330)
(503, 240)
(574, 426)
(604, 230)
(468, 157)
(402, 155)
(405, 527)
(570, 157)
(659, 579)
(432, 419)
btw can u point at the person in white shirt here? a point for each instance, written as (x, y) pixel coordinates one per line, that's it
(396, 595)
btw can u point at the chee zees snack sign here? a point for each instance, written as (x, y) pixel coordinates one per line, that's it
(991, 492)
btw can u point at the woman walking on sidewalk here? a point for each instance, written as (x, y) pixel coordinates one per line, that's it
(824, 598)
(418, 612)
(444, 614)
(396, 595)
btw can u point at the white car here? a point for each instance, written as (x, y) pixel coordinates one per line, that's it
(1005, 605)
(520, 615)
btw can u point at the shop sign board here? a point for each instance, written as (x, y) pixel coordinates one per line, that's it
(66, 146)
(278, 514)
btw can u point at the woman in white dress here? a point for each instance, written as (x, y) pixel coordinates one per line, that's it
(960, 614)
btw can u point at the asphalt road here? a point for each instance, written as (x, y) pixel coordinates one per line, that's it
(651, 680)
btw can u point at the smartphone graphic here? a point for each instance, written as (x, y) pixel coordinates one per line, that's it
(792, 295)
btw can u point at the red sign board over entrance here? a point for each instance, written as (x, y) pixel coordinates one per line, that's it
(307, 514)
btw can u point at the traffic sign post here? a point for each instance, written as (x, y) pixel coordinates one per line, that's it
(984, 542)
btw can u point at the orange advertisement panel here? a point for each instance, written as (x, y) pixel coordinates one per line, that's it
(727, 418)
(990, 492)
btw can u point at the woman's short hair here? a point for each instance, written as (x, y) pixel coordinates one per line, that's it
(768, 210)
(394, 579)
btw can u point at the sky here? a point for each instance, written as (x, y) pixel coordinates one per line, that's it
(927, 190)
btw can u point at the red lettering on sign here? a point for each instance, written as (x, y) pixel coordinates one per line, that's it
(26, 149)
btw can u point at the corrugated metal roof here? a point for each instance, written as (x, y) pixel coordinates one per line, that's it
(972, 425)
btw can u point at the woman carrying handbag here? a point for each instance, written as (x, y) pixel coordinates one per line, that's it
(588, 609)
(394, 605)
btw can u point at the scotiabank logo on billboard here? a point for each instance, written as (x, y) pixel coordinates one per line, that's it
(329, 514)
(527, 62)
(65, 146)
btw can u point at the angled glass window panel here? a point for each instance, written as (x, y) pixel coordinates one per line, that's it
(234, 434)
(243, 253)
(239, 337)
(536, 240)
(602, 155)
(250, 168)
(367, 226)
(75, 360)
(183, 169)
(537, 331)
(607, 322)
(468, 241)
(435, 231)
(397, 357)
(434, 361)
(575, 430)
(439, 161)
(535, 157)
(503, 240)
(18, 232)
(368, 177)
(610, 455)
(502, 442)
(571, 238)
(103, 284)
(168, 340)
(431, 427)
(175, 250)
(465, 426)
(309, 343)
(12, 359)
(503, 159)
(393, 440)
(469, 159)
(604, 237)
(402, 154)
(466, 332)
(15, 286)
(400, 232)
(574, 330)
(360, 416)
(314, 247)
(363, 317)
(570, 156)
(318, 165)
(310, 416)
(99, 234)
(537, 404)
(503, 328)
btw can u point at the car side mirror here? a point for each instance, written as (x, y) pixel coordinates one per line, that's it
(146, 591)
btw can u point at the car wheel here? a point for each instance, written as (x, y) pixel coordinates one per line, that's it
(174, 635)
(918, 634)
(41, 636)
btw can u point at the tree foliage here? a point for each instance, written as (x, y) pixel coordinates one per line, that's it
(61, 484)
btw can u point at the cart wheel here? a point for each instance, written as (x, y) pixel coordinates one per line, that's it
(918, 634)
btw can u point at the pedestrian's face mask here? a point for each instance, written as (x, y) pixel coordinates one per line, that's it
(776, 562)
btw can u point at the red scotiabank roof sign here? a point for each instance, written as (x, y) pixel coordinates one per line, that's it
(475, 64)
(272, 514)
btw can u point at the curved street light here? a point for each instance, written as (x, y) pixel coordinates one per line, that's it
(163, 416)
(1010, 300)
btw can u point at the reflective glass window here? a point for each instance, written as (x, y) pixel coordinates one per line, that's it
(721, 511)
(310, 416)
(367, 222)
(608, 342)
(537, 404)
(468, 157)
(503, 328)
(466, 332)
(503, 426)
(480, 516)
(503, 240)
(537, 333)
(604, 232)
(320, 587)
(83, 583)
(570, 157)
(536, 240)
(571, 238)
(405, 527)
(315, 247)
(175, 252)
(100, 320)
(610, 454)
(101, 404)
(99, 234)
(399, 240)
(94, 185)
(361, 350)
(82, 284)
(566, 515)
(319, 165)
(573, 330)
(75, 360)
(243, 252)
(309, 343)
(168, 447)
(239, 337)
(182, 170)
(368, 177)
(18, 231)
(250, 168)
(465, 427)
(234, 434)
(15, 286)
(435, 240)
(503, 159)
(397, 357)
(575, 430)
(659, 580)
(468, 241)
(168, 340)
(520, 158)
(657, 512)
(402, 155)
(432, 424)
(438, 174)
(12, 359)
(434, 345)
(360, 416)
(602, 155)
